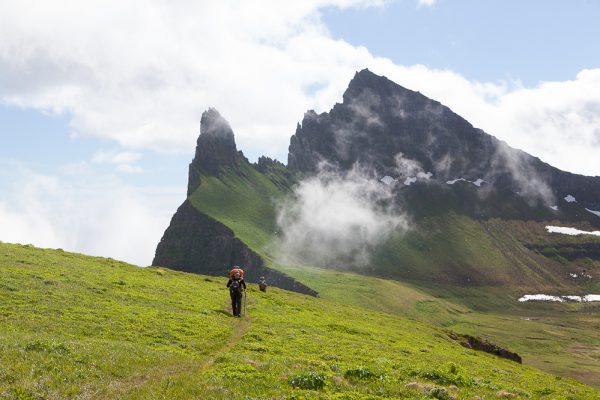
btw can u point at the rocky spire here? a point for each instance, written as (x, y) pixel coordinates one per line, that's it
(215, 148)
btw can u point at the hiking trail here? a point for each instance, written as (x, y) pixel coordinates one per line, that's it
(129, 384)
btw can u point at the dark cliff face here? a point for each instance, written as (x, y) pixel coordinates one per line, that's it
(196, 243)
(379, 119)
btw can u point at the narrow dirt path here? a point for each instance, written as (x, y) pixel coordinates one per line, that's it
(122, 387)
(240, 327)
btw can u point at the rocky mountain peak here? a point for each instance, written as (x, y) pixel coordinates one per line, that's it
(215, 147)
(377, 120)
(214, 126)
(366, 79)
(382, 126)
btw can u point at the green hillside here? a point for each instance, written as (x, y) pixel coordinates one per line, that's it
(74, 326)
(452, 271)
(448, 248)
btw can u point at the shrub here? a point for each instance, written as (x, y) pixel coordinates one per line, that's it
(443, 377)
(47, 346)
(439, 393)
(310, 381)
(360, 373)
(22, 394)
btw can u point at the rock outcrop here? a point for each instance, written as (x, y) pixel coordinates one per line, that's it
(196, 243)
(475, 343)
(215, 148)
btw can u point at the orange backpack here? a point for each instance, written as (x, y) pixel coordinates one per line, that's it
(234, 270)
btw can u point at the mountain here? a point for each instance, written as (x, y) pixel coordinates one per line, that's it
(380, 120)
(478, 207)
(473, 236)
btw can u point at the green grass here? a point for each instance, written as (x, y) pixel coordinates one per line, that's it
(73, 326)
(445, 247)
(452, 271)
(559, 338)
(244, 200)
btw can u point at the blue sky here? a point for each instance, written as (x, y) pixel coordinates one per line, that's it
(105, 98)
(530, 41)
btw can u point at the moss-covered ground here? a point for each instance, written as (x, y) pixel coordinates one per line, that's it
(73, 326)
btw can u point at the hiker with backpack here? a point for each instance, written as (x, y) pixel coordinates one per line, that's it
(262, 284)
(237, 287)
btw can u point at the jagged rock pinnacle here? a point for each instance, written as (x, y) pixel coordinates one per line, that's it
(215, 148)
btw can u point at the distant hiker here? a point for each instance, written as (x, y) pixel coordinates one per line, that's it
(262, 284)
(236, 286)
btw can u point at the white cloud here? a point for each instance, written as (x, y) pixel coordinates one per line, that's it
(116, 157)
(130, 169)
(425, 3)
(81, 211)
(122, 160)
(141, 73)
(336, 219)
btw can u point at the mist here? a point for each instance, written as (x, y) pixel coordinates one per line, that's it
(336, 219)
(533, 187)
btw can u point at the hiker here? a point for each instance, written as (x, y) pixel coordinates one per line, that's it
(262, 284)
(236, 286)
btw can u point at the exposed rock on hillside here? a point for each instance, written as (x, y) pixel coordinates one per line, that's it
(196, 243)
(475, 343)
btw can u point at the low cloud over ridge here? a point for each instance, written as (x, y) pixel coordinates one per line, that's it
(336, 219)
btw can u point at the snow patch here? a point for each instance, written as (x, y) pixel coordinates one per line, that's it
(570, 199)
(593, 212)
(582, 275)
(570, 231)
(410, 180)
(388, 180)
(540, 297)
(456, 180)
(477, 182)
(555, 208)
(559, 299)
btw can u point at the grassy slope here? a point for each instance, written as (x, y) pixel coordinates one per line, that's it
(73, 326)
(447, 248)
(245, 201)
(561, 339)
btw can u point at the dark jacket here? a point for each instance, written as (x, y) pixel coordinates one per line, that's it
(242, 284)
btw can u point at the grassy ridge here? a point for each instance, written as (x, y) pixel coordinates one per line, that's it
(446, 248)
(561, 338)
(73, 326)
(244, 200)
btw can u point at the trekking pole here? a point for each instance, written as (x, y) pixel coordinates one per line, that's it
(245, 302)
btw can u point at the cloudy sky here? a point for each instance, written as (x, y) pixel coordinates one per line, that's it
(100, 101)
